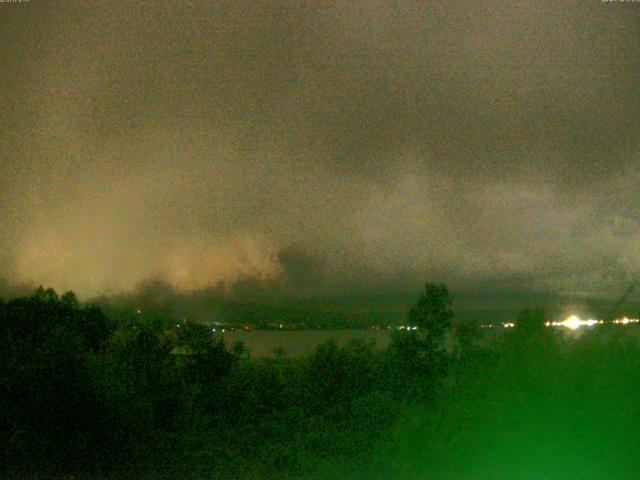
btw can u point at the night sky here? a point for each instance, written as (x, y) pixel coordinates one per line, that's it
(325, 146)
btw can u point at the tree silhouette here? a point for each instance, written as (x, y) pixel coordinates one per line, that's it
(70, 300)
(207, 359)
(46, 352)
(432, 313)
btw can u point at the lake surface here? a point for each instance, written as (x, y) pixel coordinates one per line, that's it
(262, 343)
(296, 343)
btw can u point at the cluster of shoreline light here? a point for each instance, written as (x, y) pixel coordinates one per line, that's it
(625, 320)
(574, 322)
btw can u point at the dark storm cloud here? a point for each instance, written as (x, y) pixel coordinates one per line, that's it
(328, 145)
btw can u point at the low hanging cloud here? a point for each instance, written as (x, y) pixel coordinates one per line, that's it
(323, 147)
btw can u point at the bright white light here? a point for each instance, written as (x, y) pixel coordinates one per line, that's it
(508, 325)
(574, 322)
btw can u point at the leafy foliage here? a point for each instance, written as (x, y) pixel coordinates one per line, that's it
(83, 393)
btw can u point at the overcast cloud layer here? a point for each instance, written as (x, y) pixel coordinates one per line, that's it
(324, 146)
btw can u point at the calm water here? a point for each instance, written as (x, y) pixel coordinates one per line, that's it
(262, 343)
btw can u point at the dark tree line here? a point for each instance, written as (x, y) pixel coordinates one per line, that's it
(83, 392)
